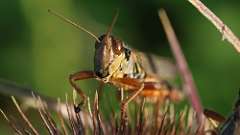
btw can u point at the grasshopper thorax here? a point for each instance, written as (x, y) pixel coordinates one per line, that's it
(109, 53)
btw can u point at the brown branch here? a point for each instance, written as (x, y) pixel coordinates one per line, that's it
(218, 23)
(186, 75)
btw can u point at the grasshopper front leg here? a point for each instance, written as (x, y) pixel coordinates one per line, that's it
(80, 76)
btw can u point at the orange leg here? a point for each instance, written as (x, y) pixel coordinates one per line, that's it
(161, 89)
(80, 76)
(129, 83)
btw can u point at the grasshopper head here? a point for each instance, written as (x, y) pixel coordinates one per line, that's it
(108, 56)
(108, 53)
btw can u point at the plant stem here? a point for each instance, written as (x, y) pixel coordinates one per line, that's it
(186, 74)
(218, 23)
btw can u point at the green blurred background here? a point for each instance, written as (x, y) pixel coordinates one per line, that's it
(40, 51)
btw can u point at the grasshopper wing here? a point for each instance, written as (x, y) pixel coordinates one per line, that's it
(161, 67)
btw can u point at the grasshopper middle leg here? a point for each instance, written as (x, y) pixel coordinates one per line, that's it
(150, 89)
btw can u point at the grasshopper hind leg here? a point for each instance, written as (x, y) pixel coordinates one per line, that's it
(161, 91)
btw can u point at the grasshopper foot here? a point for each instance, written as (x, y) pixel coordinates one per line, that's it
(78, 107)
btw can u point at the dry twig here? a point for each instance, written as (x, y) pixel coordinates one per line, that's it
(218, 23)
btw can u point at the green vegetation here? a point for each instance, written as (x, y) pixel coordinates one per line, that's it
(40, 51)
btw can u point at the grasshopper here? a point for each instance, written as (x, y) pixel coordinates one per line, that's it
(117, 64)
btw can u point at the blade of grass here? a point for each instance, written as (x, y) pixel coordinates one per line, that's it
(60, 117)
(12, 125)
(24, 116)
(186, 75)
(70, 117)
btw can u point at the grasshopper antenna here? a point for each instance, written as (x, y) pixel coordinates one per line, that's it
(73, 23)
(112, 24)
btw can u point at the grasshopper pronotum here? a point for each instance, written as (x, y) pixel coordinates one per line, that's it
(122, 67)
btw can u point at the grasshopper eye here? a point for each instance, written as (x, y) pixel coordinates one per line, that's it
(117, 47)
